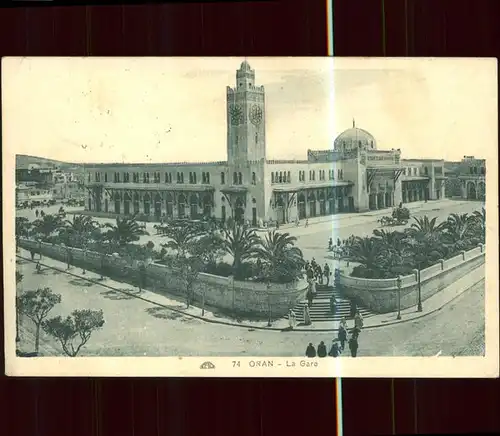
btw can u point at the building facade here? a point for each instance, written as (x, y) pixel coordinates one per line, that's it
(467, 179)
(353, 176)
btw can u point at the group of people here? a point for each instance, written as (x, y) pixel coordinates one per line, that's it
(339, 343)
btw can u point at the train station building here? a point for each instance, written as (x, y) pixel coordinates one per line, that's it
(350, 175)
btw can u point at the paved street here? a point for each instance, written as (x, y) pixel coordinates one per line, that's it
(138, 328)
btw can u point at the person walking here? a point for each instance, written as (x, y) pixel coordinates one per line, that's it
(320, 275)
(307, 223)
(292, 319)
(334, 350)
(333, 304)
(36, 213)
(310, 350)
(354, 309)
(353, 345)
(309, 273)
(358, 321)
(322, 349)
(342, 336)
(327, 273)
(313, 288)
(307, 315)
(309, 297)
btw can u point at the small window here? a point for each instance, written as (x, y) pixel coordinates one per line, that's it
(240, 179)
(288, 178)
(253, 179)
(272, 177)
(235, 178)
(222, 178)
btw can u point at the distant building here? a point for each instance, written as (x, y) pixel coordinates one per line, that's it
(32, 193)
(354, 176)
(467, 179)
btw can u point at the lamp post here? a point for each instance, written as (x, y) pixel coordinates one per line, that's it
(398, 282)
(419, 306)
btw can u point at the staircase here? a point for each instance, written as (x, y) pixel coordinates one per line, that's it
(320, 310)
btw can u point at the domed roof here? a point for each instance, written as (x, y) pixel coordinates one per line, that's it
(353, 138)
(245, 66)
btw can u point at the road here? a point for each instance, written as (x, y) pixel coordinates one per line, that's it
(137, 328)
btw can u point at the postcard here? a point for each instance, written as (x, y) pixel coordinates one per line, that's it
(250, 217)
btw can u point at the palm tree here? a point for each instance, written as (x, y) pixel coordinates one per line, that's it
(282, 261)
(241, 243)
(478, 221)
(181, 235)
(125, 230)
(47, 225)
(426, 226)
(391, 240)
(458, 227)
(367, 252)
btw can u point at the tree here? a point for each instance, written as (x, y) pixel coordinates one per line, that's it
(426, 226)
(124, 231)
(47, 226)
(281, 261)
(181, 234)
(458, 227)
(366, 251)
(190, 268)
(209, 248)
(241, 243)
(74, 331)
(19, 279)
(478, 224)
(36, 305)
(23, 227)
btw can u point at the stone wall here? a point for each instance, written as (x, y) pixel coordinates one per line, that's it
(381, 296)
(239, 298)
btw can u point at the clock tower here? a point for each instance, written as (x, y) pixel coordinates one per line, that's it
(246, 133)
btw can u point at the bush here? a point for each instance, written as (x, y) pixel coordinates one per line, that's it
(222, 269)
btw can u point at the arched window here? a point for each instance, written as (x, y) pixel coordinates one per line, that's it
(281, 177)
(208, 177)
(222, 178)
(194, 178)
(105, 177)
(288, 178)
(272, 177)
(253, 179)
(256, 138)
(240, 179)
(235, 178)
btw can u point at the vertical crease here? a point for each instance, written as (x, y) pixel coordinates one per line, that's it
(415, 408)
(406, 29)
(383, 29)
(88, 30)
(393, 408)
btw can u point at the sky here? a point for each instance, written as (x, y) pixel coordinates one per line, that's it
(174, 109)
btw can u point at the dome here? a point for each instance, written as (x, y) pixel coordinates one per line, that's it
(353, 138)
(245, 66)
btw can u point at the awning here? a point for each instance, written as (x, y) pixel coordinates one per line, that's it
(328, 184)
